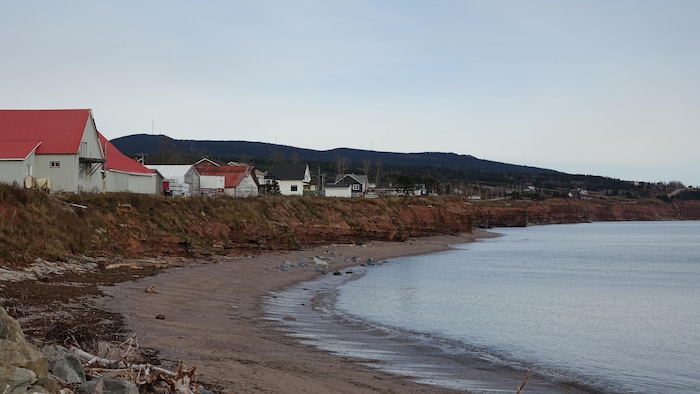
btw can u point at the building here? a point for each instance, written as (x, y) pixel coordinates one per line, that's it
(234, 179)
(335, 190)
(293, 179)
(58, 150)
(357, 183)
(124, 174)
(178, 180)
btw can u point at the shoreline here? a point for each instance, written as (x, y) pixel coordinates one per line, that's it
(213, 318)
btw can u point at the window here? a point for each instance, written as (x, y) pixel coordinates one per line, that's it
(294, 188)
(355, 186)
(54, 164)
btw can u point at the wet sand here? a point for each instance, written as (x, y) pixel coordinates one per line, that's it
(213, 319)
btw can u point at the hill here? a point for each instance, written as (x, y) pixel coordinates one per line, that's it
(157, 147)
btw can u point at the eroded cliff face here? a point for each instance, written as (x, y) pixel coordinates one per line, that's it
(557, 211)
(135, 226)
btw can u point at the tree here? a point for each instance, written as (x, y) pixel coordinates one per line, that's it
(405, 185)
(341, 166)
(379, 166)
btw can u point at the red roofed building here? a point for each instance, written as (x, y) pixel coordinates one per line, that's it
(60, 147)
(61, 151)
(124, 174)
(235, 181)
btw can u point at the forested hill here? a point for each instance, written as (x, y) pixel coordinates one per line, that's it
(160, 148)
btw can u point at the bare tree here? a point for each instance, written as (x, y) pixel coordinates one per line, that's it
(341, 166)
(277, 156)
(379, 166)
(294, 157)
(366, 167)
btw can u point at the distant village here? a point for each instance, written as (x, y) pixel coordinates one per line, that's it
(62, 151)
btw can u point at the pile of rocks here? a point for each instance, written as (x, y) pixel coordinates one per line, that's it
(42, 269)
(24, 369)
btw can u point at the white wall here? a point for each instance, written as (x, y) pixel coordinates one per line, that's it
(338, 192)
(117, 181)
(286, 188)
(247, 188)
(215, 182)
(13, 171)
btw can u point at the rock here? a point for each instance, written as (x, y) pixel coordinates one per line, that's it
(64, 364)
(108, 385)
(23, 368)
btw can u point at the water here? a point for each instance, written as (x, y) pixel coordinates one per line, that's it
(608, 307)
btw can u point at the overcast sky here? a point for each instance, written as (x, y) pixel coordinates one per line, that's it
(607, 87)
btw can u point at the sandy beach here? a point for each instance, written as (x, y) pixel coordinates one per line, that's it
(211, 318)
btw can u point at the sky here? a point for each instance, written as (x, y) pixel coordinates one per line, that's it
(594, 87)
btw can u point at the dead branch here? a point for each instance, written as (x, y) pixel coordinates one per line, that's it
(527, 376)
(91, 359)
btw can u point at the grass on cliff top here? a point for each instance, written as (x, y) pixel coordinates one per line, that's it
(34, 224)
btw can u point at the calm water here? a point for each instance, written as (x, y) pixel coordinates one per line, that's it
(610, 306)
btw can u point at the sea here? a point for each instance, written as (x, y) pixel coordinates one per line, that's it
(606, 307)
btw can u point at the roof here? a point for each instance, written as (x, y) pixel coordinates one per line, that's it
(171, 171)
(117, 161)
(288, 171)
(59, 130)
(362, 179)
(233, 175)
(17, 150)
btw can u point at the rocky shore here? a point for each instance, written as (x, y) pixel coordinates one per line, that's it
(189, 278)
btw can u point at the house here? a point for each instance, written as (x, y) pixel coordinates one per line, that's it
(57, 148)
(293, 179)
(358, 183)
(179, 179)
(210, 184)
(336, 190)
(231, 180)
(124, 174)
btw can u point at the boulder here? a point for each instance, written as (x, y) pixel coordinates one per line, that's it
(108, 385)
(23, 368)
(64, 364)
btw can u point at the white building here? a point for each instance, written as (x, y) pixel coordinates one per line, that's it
(182, 179)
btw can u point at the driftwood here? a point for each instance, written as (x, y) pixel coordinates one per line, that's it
(91, 359)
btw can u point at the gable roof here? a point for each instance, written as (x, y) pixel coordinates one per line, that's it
(233, 175)
(117, 161)
(362, 179)
(17, 150)
(59, 130)
(289, 171)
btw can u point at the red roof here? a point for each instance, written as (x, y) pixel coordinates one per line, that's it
(17, 149)
(117, 161)
(233, 175)
(59, 130)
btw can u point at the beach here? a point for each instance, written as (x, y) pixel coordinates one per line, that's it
(210, 316)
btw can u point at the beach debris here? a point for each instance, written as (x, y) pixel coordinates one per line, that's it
(160, 317)
(320, 261)
(150, 289)
(527, 376)
(141, 375)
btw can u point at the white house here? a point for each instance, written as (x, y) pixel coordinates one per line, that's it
(293, 179)
(57, 147)
(17, 162)
(336, 190)
(182, 179)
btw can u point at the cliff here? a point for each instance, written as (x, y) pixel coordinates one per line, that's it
(56, 227)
